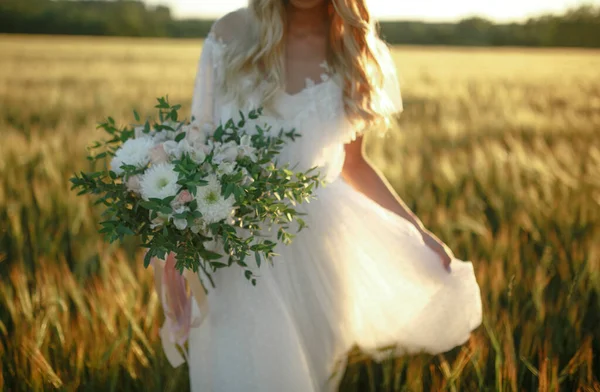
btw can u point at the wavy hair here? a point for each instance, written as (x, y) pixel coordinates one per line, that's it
(354, 52)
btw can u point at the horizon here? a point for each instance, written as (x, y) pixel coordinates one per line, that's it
(427, 10)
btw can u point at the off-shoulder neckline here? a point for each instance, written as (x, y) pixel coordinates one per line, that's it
(310, 84)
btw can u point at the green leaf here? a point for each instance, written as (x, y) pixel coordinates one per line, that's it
(147, 258)
(218, 133)
(257, 258)
(124, 230)
(210, 255)
(180, 137)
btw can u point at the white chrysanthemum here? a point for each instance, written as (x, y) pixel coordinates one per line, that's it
(134, 152)
(211, 203)
(159, 181)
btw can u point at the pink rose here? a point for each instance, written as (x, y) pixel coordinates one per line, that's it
(158, 154)
(184, 196)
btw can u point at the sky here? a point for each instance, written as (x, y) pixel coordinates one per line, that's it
(430, 10)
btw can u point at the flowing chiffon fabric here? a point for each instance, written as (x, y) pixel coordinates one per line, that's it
(358, 274)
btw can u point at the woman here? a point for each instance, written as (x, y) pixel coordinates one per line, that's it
(365, 271)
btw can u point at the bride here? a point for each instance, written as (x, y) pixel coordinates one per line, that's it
(365, 272)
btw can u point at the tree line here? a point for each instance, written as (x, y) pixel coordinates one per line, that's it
(578, 27)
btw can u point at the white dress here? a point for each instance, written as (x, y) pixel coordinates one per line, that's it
(358, 274)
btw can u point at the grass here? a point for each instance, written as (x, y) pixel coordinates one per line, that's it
(498, 152)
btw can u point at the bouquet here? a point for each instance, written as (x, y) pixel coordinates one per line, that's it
(205, 194)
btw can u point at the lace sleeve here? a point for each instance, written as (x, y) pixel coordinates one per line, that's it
(203, 99)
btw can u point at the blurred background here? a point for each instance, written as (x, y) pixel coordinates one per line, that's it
(497, 151)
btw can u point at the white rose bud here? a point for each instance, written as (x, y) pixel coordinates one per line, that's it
(158, 154)
(172, 148)
(133, 184)
(180, 224)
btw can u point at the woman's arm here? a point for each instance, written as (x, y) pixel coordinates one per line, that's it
(367, 179)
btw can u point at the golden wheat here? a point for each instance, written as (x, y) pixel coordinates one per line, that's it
(498, 151)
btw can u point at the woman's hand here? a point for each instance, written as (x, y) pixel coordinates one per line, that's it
(438, 247)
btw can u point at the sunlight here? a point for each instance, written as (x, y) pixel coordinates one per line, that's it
(432, 10)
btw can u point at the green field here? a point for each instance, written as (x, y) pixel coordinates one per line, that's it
(498, 152)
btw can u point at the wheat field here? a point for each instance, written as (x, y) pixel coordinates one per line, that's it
(498, 152)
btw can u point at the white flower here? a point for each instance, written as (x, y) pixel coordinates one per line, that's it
(159, 181)
(226, 168)
(211, 203)
(245, 148)
(171, 147)
(160, 220)
(196, 153)
(183, 197)
(176, 150)
(196, 134)
(247, 178)
(134, 152)
(172, 124)
(180, 224)
(139, 132)
(159, 136)
(162, 136)
(158, 154)
(227, 152)
(133, 184)
(198, 226)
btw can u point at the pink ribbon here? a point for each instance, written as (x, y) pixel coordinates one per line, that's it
(177, 306)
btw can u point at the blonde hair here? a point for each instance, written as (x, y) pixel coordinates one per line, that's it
(355, 52)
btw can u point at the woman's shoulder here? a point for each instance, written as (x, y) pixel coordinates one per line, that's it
(232, 26)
